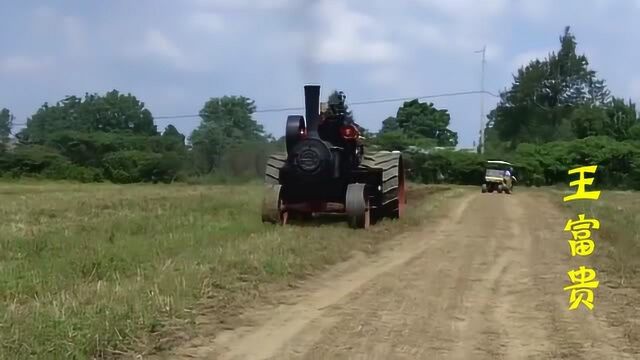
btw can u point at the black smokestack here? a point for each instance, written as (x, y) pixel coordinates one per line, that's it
(312, 108)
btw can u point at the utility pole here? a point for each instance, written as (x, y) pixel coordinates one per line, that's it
(483, 51)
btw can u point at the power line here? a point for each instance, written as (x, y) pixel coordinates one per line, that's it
(421, 97)
(355, 103)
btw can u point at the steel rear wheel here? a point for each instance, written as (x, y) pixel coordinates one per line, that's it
(393, 187)
(273, 210)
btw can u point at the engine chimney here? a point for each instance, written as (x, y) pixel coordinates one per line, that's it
(312, 108)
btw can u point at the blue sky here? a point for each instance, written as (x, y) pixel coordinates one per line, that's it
(175, 55)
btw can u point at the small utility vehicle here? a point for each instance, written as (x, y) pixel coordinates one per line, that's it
(498, 177)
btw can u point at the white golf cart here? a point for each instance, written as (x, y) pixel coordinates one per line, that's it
(498, 177)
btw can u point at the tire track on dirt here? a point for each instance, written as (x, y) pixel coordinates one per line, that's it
(429, 301)
(291, 320)
(484, 283)
(479, 334)
(502, 330)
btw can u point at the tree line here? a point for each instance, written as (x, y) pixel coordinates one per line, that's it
(557, 114)
(113, 137)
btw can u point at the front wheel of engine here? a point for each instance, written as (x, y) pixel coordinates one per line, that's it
(357, 206)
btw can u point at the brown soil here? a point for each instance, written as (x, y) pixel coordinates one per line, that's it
(483, 282)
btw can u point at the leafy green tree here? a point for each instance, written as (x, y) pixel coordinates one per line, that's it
(113, 112)
(170, 132)
(172, 141)
(233, 116)
(571, 81)
(6, 123)
(494, 146)
(545, 93)
(225, 122)
(588, 120)
(111, 135)
(422, 120)
(389, 124)
(209, 144)
(614, 119)
(393, 140)
(454, 167)
(634, 132)
(398, 140)
(29, 159)
(621, 117)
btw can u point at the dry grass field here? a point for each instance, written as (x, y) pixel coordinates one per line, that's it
(100, 270)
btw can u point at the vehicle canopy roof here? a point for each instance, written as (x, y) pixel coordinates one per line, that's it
(497, 164)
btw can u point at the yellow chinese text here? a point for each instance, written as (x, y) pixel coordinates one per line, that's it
(581, 183)
(581, 244)
(584, 281)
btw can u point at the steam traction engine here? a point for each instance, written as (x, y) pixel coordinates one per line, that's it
(325, 170)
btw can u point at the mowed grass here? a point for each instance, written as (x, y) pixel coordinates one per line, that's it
(101, 270)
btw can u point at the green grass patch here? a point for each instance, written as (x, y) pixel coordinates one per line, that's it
(99, 269)
(618, 239)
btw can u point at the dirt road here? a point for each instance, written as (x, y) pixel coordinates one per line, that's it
(471, 285)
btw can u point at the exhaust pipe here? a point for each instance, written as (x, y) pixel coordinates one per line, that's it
(312, 109)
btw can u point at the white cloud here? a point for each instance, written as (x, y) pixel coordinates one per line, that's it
(235, 46)
(75, 34)
(467, 8)
(44, 12)
(173, 94)
(334, 51)
(453, 40)
(431, 35)
(494, 52)
(601, 5)
(526, 57)
(19, 64)
(381, 78)
(244, 4)
(349, 36)
(67, 30)
(385, 76)
(206, 21)
(156, 43)
(157, 46)
(537, 10)
(468, 25)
